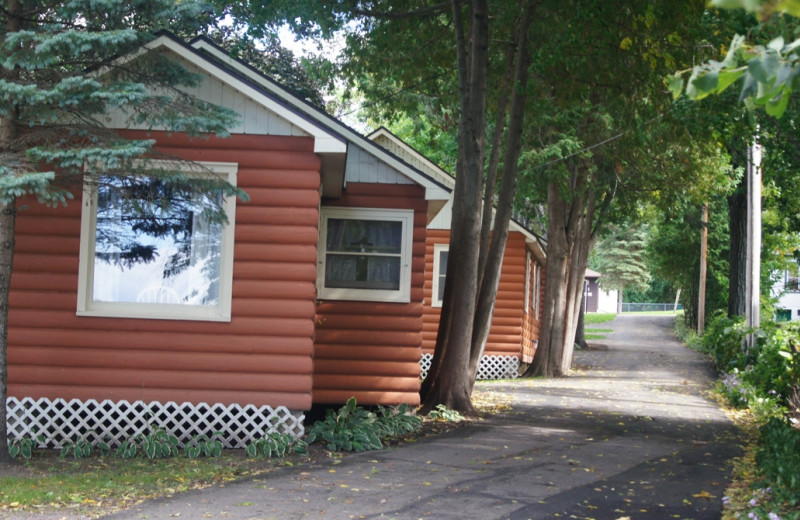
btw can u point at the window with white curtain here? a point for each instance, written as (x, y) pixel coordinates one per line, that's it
(166, 262)
(365, 254)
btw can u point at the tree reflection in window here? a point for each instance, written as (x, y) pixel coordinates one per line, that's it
(153, 244)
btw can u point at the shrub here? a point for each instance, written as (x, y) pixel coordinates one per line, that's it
(778, 458)
(24, 447)
(353, 428)
(157, 444)
(723, 340)
(442, 413)
(82, 448)
(276, 445)
(204, 445)
(776, 369)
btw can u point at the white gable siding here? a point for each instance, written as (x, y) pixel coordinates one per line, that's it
(254, 117)
(411, 159)
(362, 166)
(443, 219)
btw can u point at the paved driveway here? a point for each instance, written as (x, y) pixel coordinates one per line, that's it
(631, 435)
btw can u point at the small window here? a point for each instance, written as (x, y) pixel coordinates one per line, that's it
(440, 252)
(528, 288)
(365, 254)
(170, 264)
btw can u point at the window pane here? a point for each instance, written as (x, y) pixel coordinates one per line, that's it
(156, 255)
(362, 272)
(442, 274)
(364, 236)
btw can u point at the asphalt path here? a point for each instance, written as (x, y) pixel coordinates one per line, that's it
(632, 435)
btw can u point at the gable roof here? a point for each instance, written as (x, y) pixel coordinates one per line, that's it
(592, 274)
(332, 138)
(333, 130)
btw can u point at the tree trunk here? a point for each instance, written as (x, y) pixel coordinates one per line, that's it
(580, 332)
(569, 240)
(489, 275)
(737, 217)
(9, 131)
(448, 380)
(7, 232)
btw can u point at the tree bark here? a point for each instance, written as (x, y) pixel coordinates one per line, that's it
(448, 381)
(737, 218)
(489, 275)
(9, 131)
(570, 237)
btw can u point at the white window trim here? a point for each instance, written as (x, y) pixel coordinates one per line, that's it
(537, 288)
(222, 312)
(401, 295)
(437, 249)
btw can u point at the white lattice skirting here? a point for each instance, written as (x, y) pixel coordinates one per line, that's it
(491, 367)
(63, 421)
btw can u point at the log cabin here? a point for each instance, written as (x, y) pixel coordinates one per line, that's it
(311, 294)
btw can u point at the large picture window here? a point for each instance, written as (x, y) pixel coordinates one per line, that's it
(167, 261)
(365, 254)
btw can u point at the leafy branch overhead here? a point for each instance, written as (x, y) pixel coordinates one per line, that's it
(768, 72)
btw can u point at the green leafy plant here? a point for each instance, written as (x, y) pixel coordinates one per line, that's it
(441, 413)
(350, 429)
(397, 421)
(210, 446)
(82, 448)
(24, 446)
(155, 445)
(353, 428)
(723, 340)
(778, 458)
(275, 444)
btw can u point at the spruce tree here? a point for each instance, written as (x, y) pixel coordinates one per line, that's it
(620, 258)
(64, 65)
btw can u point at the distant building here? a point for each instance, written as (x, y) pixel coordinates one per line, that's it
(787, 290)
(595, 298)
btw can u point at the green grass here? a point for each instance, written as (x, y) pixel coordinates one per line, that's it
(591, 318)
(99, 485)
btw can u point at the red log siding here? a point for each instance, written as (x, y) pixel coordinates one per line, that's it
(506, 333)
(262, 357)
(532, 322)
(371, 350)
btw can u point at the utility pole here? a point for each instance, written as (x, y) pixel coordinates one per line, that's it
(753, 293)
(701, 293)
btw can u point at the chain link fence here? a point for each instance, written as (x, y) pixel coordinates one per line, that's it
(649, 307)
